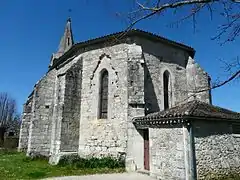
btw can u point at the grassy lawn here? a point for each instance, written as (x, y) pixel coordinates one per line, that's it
(14, 165)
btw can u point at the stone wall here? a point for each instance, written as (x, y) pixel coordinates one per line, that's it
(197, 80)
(159, 58)
(136, 107)
(25, 124)
(217, 150)
(71, 111)
(167, 153)
(57, 117)
(103, 137)
(40, 127)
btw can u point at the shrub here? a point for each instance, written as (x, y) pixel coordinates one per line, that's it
(37, 174)
(36, 156)
(8, 151)
(11, 142)
(92, 162)
(69, 160)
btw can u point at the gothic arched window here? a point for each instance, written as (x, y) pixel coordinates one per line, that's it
(103, 109)
(166, 85)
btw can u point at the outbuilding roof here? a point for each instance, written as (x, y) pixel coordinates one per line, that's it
(117, 37)
(189, 110)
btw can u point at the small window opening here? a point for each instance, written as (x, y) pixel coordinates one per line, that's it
(166, 82)
(103, 95)
(68, 41)
(11, 134)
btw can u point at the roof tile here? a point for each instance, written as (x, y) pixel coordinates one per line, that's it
(195, 109)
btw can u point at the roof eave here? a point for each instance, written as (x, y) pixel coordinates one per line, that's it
(146, 122)
(231, 119)
(154, 123)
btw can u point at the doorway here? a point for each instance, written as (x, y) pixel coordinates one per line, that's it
(146, 149)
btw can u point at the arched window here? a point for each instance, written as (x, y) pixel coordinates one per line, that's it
(166, 85)
(103, 109)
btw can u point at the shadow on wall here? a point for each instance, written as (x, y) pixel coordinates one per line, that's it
(208, 128)
(150, 97)
(71, 111)
(164, 53)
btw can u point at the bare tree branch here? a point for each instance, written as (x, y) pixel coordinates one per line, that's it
(160, 8)
(7, 109)
(230, 11)
(144, 12)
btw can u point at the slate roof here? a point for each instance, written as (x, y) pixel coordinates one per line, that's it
(119, 36)
(193, 109)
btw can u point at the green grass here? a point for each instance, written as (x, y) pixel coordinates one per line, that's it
(14, 165)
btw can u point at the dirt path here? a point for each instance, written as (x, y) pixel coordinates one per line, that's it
(123, 176)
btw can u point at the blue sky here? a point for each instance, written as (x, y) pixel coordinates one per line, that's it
(31, 31)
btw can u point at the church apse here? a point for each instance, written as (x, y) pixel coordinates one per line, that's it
(97, 99)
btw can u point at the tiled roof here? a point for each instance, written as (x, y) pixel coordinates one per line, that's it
(116, 37)
(192, 109)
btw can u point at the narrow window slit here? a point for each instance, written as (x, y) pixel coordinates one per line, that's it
(103, 114)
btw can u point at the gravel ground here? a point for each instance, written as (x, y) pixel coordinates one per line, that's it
(123, 176)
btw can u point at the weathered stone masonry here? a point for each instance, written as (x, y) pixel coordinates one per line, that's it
(26, 120)
(217, 150)
(62, 115)
(104, 136)
(71, 110)
(40, 125)
(167, 153)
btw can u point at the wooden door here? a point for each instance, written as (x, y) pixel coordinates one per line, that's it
(146, 149)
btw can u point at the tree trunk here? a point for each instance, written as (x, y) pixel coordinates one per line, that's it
(2, 132)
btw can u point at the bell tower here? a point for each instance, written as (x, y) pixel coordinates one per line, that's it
(66, 42)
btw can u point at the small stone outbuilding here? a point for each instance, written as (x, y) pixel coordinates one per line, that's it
(194, 140)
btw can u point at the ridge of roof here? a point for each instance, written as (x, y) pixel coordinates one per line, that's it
(122, 35)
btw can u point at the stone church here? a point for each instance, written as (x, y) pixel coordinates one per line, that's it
(135, 95)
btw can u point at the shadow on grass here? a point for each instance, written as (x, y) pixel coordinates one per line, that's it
(4, 151)
(37, 175)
